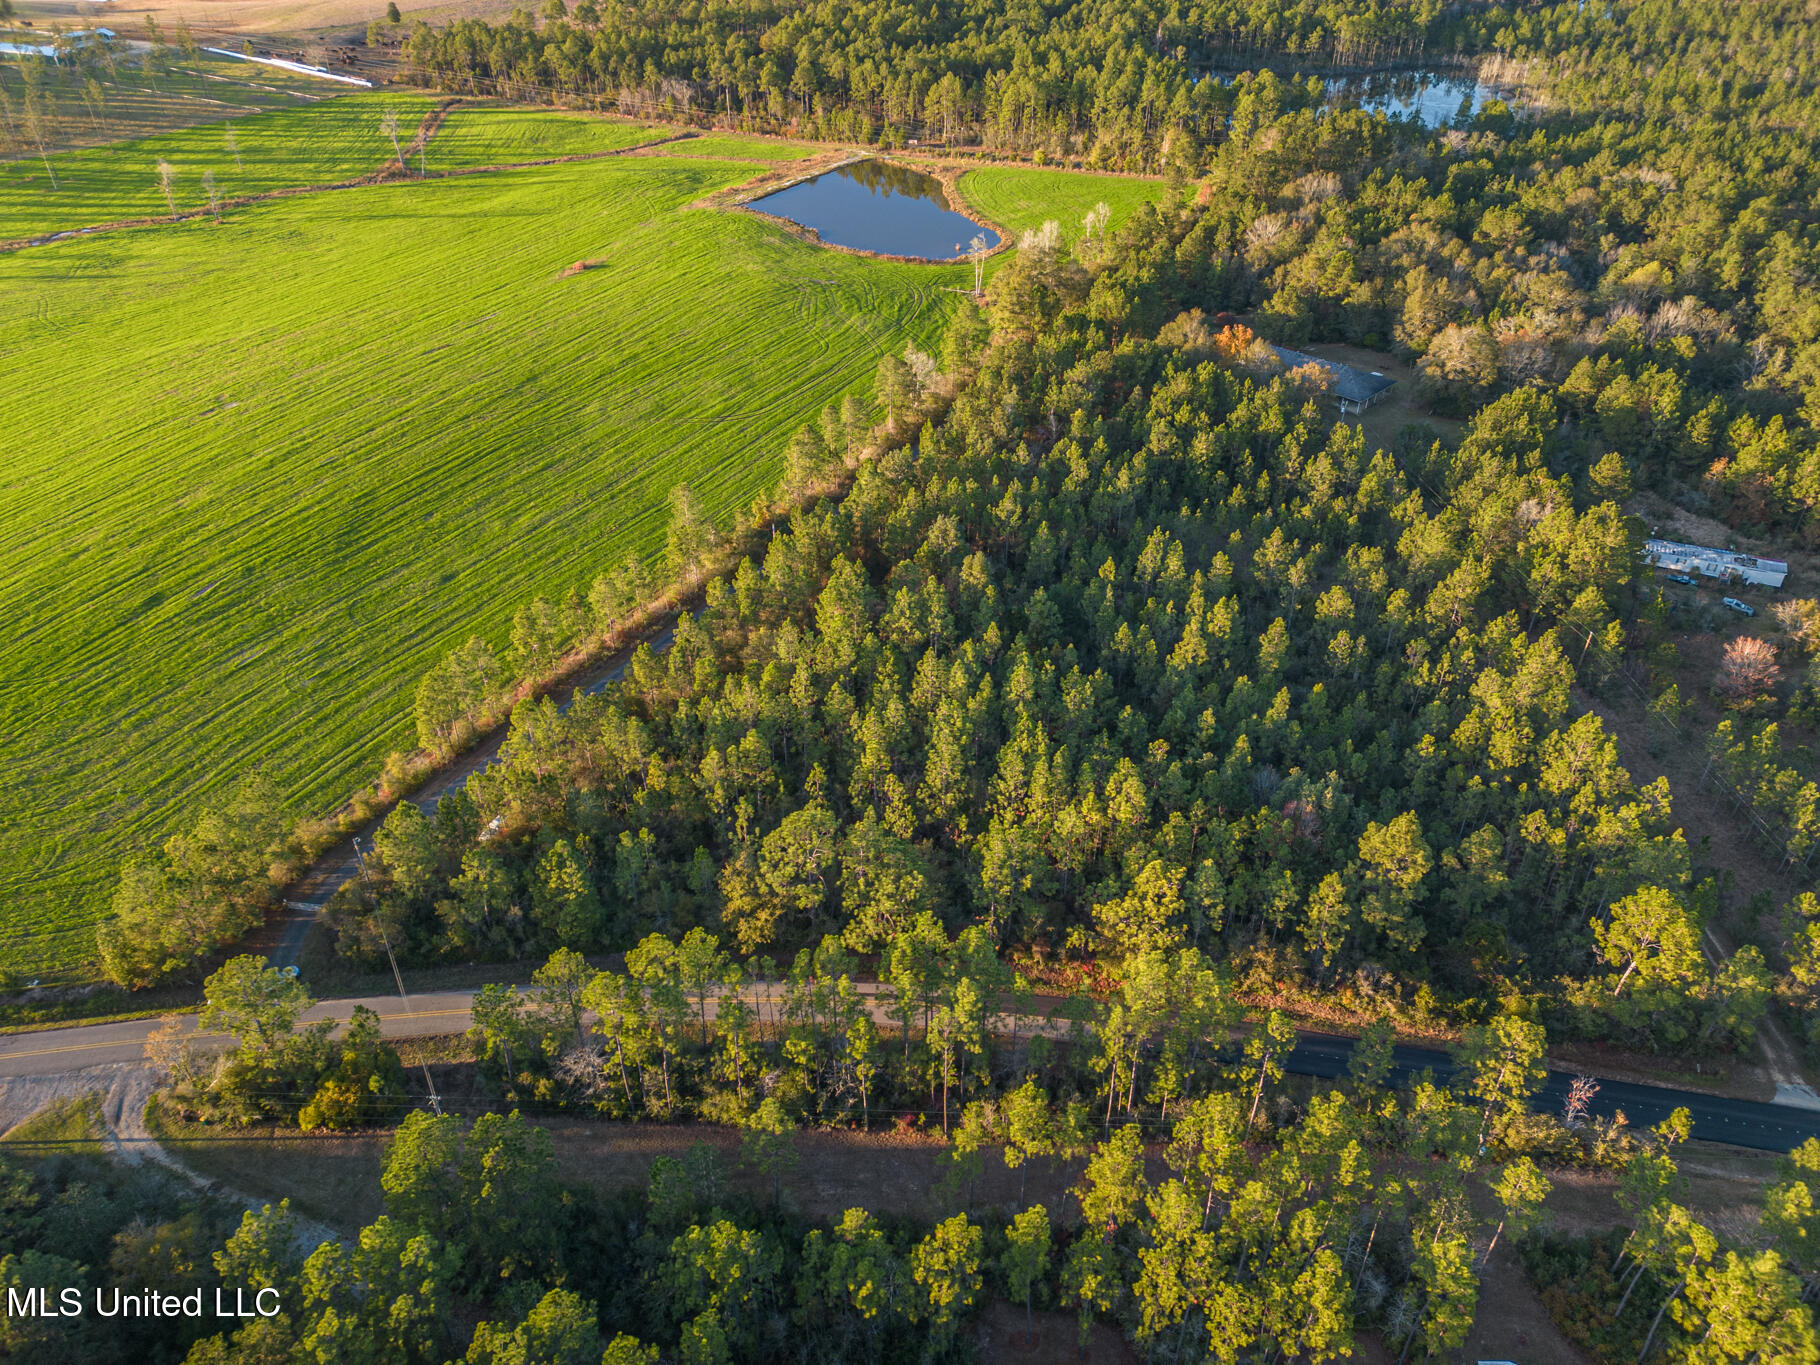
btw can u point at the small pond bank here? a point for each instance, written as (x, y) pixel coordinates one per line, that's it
(1432, 93)
(882, 209)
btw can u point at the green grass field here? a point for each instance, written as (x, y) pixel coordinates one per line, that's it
(1020, 199)
(137, 101)
(337, 139)
(293, 457)
(743, 147)
(494, 137)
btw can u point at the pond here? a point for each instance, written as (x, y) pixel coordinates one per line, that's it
(874, 206)
(1432, 98)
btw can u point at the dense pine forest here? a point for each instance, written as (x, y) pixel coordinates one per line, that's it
(1133, 653)
(1097, 681)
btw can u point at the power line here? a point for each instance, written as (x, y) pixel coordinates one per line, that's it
(379, 923)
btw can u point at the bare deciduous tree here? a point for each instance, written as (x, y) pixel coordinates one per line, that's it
(923, 368)
(1578, 1105)
(33, 73)
(388, 125)
(208, 185)
(978, 249)
(1748, 668)
(96, 98)
(167, 176)
(1095, 224)
(233, 146)
(173, 1053)
(155, 52)
(1758, 358)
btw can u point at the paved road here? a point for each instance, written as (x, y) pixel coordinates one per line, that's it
(50, 1052)
(1743, 1123)
(338, 864)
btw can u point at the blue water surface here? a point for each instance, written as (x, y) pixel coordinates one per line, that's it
(1431, 98)
(874, 206)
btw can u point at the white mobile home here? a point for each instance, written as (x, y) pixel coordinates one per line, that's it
(1727, 566)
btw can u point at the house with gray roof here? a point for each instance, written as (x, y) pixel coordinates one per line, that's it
(1355, 390)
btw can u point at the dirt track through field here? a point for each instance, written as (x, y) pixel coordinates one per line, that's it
(388, 173)
(283, 940)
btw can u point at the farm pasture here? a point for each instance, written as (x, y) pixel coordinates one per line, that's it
(1021, 198)
(500, 136)
(742, 147)
(336, 139)
(292, 457)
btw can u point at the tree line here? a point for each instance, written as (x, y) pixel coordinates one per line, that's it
(1136, 651)
(1636, 233)
(1610, 291)
(1257, 1222)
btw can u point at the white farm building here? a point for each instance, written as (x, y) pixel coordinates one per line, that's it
(1726, 565)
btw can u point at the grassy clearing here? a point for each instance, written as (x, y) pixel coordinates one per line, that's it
(77, 1013)
(1021, 199)
(883, 1170)
(300, 454)
(69, 1124)
(743, 147)
(495, 137)
(338, 139)
(335, 1177)
(440, 1049)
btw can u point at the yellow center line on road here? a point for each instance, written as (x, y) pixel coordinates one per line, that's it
(6, 1055)
(72, 1047)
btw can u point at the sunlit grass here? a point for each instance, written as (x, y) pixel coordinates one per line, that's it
(338, 139)
(493, 137)
(288, 460)
(1021, 199)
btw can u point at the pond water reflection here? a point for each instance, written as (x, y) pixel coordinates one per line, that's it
(1432, 98)
(875, 206)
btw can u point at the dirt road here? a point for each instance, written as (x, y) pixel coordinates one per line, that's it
(339, 863)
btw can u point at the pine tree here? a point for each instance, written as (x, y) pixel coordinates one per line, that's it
(1026, 1260)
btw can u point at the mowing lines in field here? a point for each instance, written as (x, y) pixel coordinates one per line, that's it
(742, 147)
(338, 139)
(301, 454)
(494, 137)
(1022, 198)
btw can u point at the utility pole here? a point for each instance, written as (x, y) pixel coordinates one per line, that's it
(367, 883)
